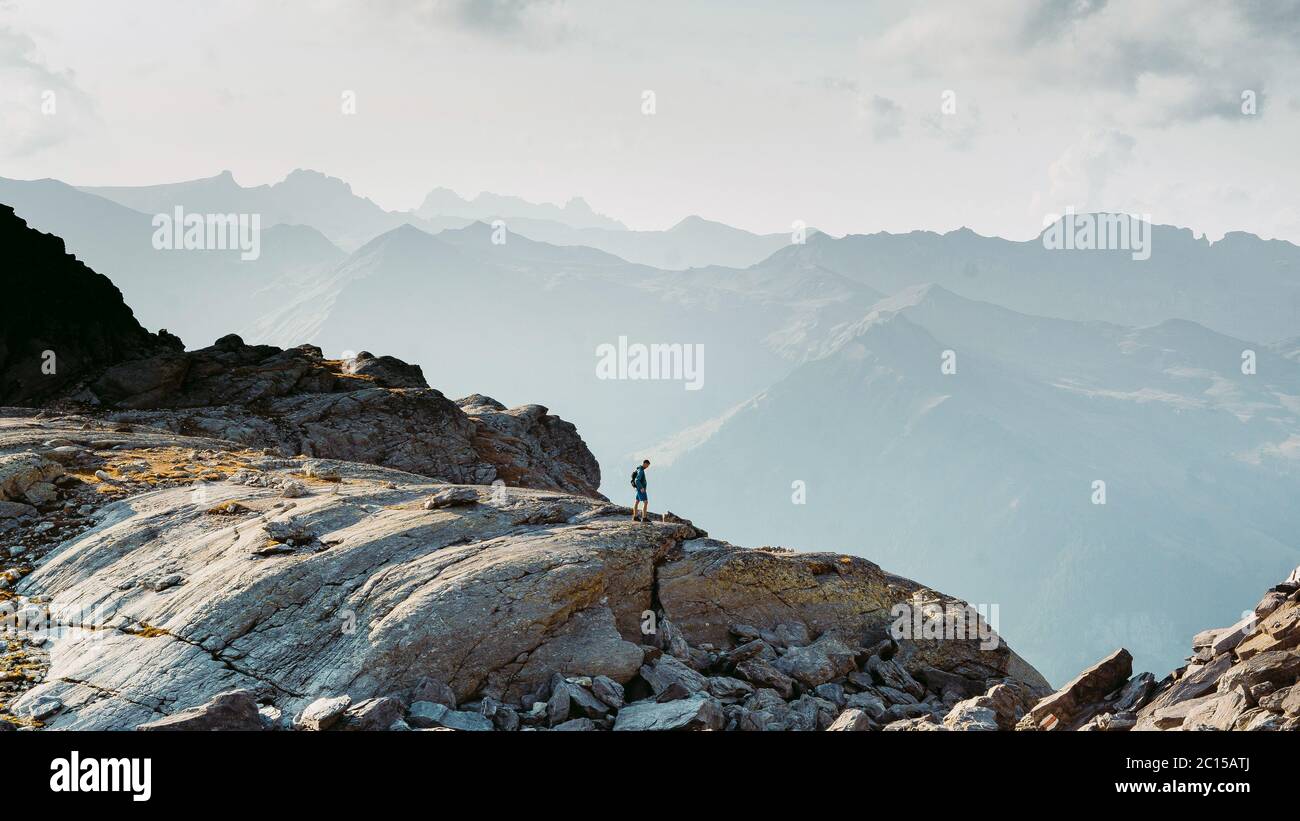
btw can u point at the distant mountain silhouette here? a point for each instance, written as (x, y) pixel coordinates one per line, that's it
(302, 198)
(1241, 285)
(329, 205)
(576, 213)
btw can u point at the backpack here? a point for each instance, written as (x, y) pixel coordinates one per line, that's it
(634, 478)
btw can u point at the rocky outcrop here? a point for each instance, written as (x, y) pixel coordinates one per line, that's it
(1243, 677)
(378, 412)
(196, 573)
(68, 340)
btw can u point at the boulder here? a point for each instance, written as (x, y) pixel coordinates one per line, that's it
(234, 710)
(671, 640)
(293, 489)
(851, 720)
(1087, 688)
(318, 469)
(451, 497)
(1279, 630)
(817, 663)
(1276, 666)
(323, 713)
(433, 690)
(20, 472)
(699, 712)
(833, 693)
(919, 723)
(763, 674)
(373, 714)
(387, 371)
(813, 713)
(39, 708)
(1272, 600)
(15, 510)
(668, 670)
(426, 715)
(889, 673)
(41, 493)
(968, 716)
(571, 699)
(1001, 703)
(752, 649)
(1290, 704)
(764, 698)
(1196, 681)
(729, 690)
(608, 691)
(870, 704)
(579, 725)
(1136, 693)
(1220, 711)
(1172, 716)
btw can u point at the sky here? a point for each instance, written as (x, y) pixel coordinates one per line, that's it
(850, 117)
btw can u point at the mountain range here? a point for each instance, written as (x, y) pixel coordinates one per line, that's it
(822, 364)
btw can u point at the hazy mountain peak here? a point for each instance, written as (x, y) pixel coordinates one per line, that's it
(405, 237)
(575, 212)
(308, 178)
(928, 296)
(695, 222)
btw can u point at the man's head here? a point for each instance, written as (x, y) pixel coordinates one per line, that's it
(646, 463)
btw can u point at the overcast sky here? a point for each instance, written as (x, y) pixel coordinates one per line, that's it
(765, 113)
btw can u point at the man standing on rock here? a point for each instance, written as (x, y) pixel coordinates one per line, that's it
(642, 500)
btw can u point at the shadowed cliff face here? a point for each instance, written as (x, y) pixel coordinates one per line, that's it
(52, 302)
(377, 410)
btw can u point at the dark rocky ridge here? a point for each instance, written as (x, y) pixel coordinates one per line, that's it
(53, 302)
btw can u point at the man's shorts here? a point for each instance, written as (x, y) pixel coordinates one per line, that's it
(641, 497)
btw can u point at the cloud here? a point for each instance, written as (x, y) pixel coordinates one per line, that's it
(957, 128)
(1078, 177)
(833, 84)
(1162, 62)
(1054, 18)
(536, 22)
(883, 116)
(39, 107)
